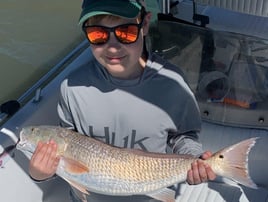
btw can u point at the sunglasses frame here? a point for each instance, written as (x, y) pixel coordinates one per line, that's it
(112, 29)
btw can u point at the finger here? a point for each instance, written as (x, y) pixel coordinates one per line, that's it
(50, 154)
(202, 171)
(210, 173)
(38, 153)
(190, 179)
(38, 148)
(37, 164)
(206, 155)
(53, 160)
(195, 170)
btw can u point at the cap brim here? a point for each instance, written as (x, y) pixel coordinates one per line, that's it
(125, 9)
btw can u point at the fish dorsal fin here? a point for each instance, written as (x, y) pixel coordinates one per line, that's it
(164, 195)
(74, 167)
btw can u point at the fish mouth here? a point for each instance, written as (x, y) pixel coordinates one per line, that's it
(23, 146)
(20, 145)
(22, 141)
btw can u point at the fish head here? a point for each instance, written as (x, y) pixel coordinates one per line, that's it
(31, 135)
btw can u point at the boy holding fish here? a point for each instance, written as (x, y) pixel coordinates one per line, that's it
(125, 96)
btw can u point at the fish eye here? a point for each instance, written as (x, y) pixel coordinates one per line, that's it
(221, 156)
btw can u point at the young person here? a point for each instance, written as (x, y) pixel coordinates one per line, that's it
(124, 95)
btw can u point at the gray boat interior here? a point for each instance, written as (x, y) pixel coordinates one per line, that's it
(226, 65)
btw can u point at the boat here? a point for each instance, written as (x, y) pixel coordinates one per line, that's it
(226, 66)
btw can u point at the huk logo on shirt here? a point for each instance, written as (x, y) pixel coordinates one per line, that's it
(130, 141)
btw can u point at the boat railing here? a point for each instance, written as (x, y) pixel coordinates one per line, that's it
(10, 107)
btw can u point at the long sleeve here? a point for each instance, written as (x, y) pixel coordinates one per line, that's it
(64, 113)
(186, 143)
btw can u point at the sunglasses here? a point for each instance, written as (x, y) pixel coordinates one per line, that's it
(125, 33)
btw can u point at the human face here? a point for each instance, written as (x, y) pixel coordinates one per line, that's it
(121, 60)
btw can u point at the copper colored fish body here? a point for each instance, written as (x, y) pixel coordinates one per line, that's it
(90, 165)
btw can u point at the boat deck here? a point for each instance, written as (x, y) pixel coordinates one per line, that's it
(218, 131)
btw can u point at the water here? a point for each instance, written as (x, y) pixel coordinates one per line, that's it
(34, 36)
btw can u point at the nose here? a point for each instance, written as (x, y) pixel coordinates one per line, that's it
(113, 42)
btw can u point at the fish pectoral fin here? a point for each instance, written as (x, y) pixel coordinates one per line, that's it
(74, 167)
(164, 195)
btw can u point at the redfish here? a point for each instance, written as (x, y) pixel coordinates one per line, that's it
(91, 165)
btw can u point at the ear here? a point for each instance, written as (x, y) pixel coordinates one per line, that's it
(146, 22)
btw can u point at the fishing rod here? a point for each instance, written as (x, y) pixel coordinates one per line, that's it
(9, 150)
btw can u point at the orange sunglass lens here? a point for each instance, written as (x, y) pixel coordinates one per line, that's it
(127, 34)
(97, 35)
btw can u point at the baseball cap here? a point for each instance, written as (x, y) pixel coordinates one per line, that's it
(121, 8)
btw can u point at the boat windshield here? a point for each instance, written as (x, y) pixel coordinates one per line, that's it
(228, 72)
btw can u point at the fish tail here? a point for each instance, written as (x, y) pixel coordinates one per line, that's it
(234, 162)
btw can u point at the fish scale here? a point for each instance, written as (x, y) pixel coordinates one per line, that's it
(91, 165)
(122, 164)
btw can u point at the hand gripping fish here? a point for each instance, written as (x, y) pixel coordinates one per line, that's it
(90, 165)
